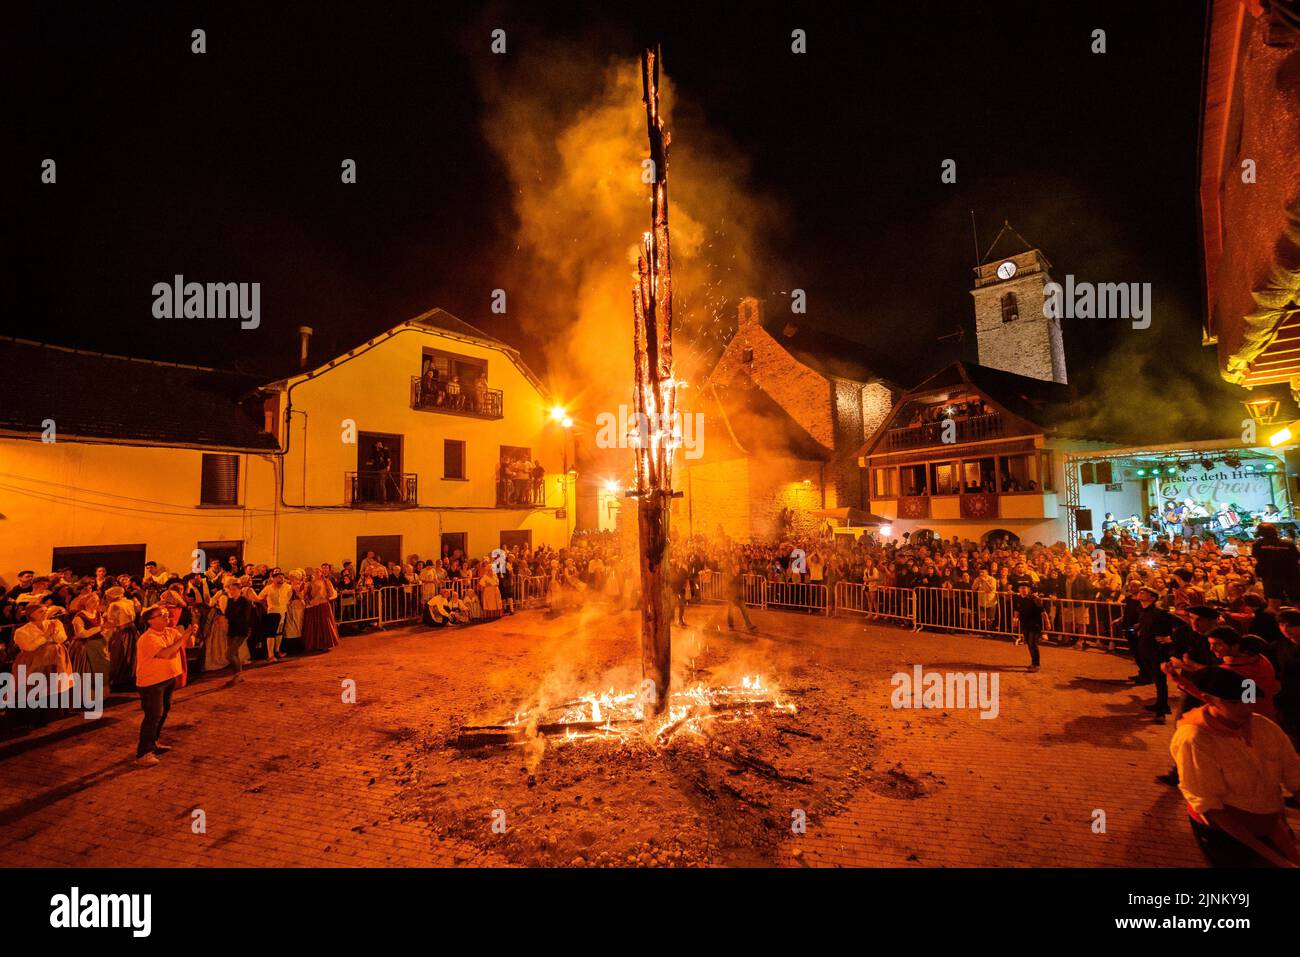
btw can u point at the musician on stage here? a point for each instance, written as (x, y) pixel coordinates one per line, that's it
(1173, 519)
(1155, 525)
(1108, 524)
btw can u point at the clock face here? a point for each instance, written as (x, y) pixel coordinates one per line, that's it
(1007, 270)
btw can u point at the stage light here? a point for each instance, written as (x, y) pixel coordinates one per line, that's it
(1270, 467)
(1141, 473)
(1207, 464)
(1232, 462)
(1249, 468)
(558, 414)
(611, 486)
(1280, 437)
(886, 530)
(1171, 470)
(566, 422)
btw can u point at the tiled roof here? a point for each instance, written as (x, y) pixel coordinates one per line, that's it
(834, 355)
(99, 396)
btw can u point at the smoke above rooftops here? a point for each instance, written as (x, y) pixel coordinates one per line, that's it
(569, 127)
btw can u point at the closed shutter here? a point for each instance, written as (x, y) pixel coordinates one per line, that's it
(220, 482)
(453, 459)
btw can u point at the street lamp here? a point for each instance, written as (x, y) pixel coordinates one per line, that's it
(1263, 410)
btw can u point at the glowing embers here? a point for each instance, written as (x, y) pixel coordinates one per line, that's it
(617, 715)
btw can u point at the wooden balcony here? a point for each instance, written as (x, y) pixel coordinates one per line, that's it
(968, 430)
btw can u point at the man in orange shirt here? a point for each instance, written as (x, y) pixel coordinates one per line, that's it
(157, 667)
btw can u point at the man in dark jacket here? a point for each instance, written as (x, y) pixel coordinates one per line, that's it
(1155, 631)
(1285, 656)
(1029, 616)
(241, 617)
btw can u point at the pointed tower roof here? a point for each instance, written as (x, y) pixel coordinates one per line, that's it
(1007, 243)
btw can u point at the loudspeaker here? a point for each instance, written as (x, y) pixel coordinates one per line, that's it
(1087, 474)
(1105, 473)
(1083, 519)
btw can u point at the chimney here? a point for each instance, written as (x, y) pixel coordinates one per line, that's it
(750, 310)
(304, 339)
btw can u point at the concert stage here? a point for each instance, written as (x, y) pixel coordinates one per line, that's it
(1155, 482)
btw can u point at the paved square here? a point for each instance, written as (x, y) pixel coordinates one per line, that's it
(287, 774)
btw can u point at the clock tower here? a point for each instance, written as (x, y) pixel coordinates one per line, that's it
(1011, 329)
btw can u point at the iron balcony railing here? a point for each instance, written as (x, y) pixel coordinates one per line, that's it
(382, 489)
(521, 493)
(968, 430)
(440, 397)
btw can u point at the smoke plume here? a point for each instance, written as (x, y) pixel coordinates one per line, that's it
(570, 130)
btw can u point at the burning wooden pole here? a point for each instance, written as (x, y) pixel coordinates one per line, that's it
(654, 401)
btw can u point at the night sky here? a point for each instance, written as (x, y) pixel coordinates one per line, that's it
(225, 167)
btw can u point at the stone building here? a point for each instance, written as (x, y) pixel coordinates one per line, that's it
(1011, 327)
(785, 411)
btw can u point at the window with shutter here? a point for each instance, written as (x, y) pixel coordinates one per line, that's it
(453, 459)
(220, 479)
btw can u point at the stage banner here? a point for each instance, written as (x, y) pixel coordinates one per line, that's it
(1249, 491)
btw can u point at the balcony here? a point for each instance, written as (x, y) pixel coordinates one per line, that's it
(485, 404)
(381, 489)
(521, 493)
(968, 430)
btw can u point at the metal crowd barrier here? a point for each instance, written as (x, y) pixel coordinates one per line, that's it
(803, 595)
(755, 590)
(1087, 621)
(399, 604)
(942, 609)
(713, 586)
(532, 591)
(954, 609)
(876, 602)
(356, 608)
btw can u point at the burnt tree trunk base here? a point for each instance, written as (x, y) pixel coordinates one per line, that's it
(656, 597)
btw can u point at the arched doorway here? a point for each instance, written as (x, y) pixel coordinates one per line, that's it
(998, 536)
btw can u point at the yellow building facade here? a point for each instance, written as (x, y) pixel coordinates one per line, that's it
(284, 473)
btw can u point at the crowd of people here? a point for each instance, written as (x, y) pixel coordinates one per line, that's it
(1211, 620)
